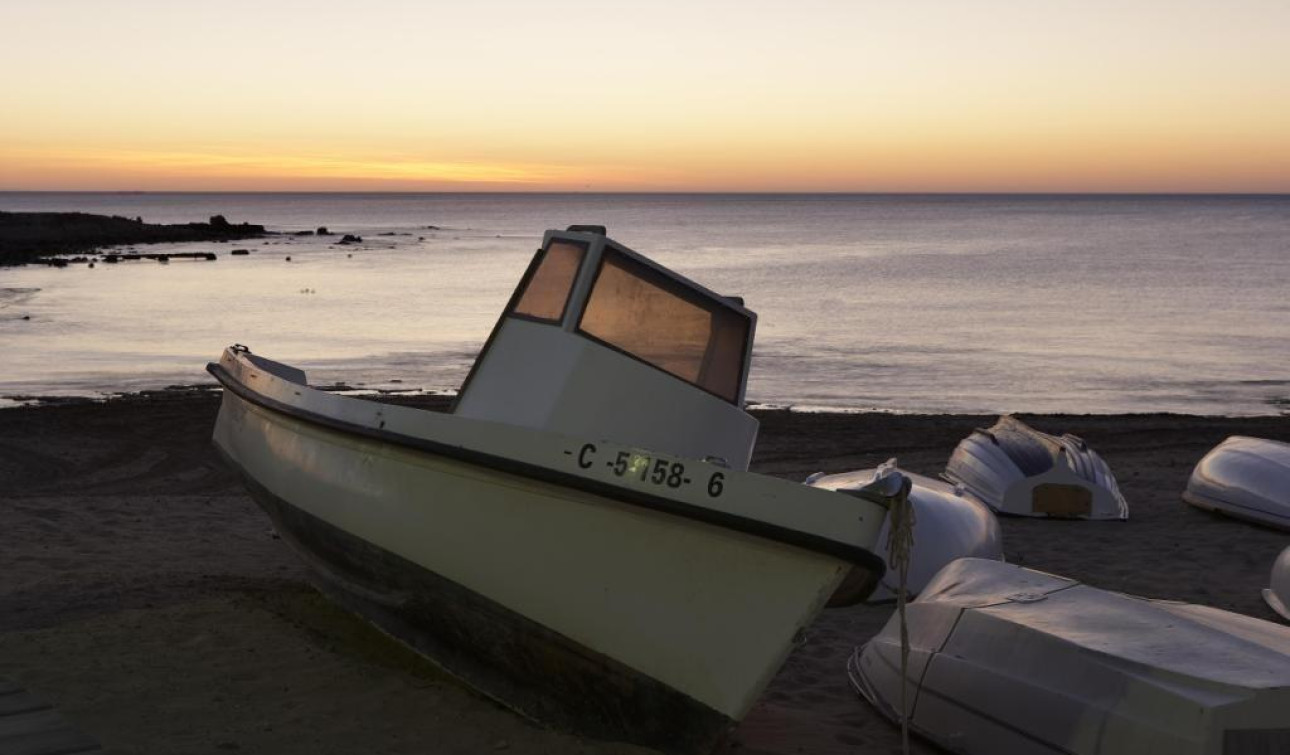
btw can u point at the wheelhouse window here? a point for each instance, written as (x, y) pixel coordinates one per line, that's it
(546, 293)
(646, 314)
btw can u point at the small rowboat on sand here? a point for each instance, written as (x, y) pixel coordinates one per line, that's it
(1009, 660)
(1277, 593)
(1247, 478)
(948, 525)
(1015, 469)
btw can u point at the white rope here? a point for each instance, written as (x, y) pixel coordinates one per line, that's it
(900, 541)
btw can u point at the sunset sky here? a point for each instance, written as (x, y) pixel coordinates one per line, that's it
(847, 95)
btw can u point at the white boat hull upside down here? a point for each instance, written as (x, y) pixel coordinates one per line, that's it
(1246, 478)
(1008, 660)
(1277, 594)
(948, 525)
(621, 594)
(1015, 469)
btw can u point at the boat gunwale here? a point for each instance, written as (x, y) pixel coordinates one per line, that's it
(1279, 520)
(848, 553)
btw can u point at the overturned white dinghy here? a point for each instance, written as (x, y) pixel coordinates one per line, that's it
(1248, 478)
(1277, 594)
(1016, 469)
(1008, 660)
(948, 525)
(580, 539)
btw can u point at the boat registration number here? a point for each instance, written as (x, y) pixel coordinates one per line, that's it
(647, 469)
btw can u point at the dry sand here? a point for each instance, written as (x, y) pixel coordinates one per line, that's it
(143, 593)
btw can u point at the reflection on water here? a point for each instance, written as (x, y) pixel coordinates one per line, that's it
(901, 303)
(11, 298)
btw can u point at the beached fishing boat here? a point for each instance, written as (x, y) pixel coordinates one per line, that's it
(1009, 660)
(1277, 593)
(948, 524)
(580, 537)
(1248, 478)
(1015, 469)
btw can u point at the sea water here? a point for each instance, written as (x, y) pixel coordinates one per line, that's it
(1097, 304)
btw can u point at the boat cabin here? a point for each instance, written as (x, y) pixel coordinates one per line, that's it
(600, 343)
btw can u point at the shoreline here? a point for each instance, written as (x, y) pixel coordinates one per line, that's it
(145, 595)
(433, 395)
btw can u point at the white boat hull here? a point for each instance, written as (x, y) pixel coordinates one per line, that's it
(1005, 659)
(1015, 469)
(575, 606)
(1277, 594)
(948, 525)
(1247, 478)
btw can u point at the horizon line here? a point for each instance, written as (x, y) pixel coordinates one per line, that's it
(588, 192)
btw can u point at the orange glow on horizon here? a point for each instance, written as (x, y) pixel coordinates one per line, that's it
(178, 168)
(1143, 95)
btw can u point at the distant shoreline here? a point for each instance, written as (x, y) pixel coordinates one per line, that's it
(27, 237)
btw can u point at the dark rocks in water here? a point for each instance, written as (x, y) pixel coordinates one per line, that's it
(26, 317)
(111, 258)
(433, 228)
(91, 264)
(223, 231)
(167, 257)
(288, 259)
(350, 238)
(28, 236)
(55, 262)
(322, 231)
(302, 233)
(421, 238)
(240, 252)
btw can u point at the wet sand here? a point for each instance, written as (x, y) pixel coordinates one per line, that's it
(144, 594)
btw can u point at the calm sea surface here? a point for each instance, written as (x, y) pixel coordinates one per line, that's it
(919, 303)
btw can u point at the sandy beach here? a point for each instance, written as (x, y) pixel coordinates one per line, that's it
(143, 593)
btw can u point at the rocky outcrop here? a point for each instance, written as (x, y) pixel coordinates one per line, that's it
(27, 236)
